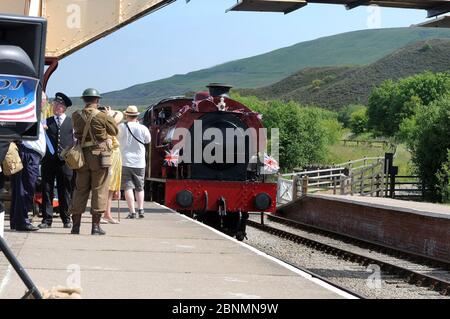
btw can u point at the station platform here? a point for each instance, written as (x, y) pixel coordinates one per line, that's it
(418, 208)
(419, 228)
(164, 255)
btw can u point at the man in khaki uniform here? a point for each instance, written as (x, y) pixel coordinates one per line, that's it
(92, 176)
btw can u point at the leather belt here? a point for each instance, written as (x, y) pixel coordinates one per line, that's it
(88, 144)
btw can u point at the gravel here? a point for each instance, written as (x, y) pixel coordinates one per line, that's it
(366, 281)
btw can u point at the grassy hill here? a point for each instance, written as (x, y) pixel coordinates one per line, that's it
(352, 48)
(333, 87)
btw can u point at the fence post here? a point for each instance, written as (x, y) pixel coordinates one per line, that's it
(350, 175)
(334, 185)
(388, 162)
(392, 186)
(342, 184)
(361, 184)
(382, 179)
(294, 187)
(305, 185)
(423, 189)
(372, 177)
(377, 184)
(278, 188)
(392, 174)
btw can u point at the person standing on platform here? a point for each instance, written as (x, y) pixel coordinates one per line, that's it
(133, 137)
(115, 173)
(60, 136)
(92, 177)
(23, 183)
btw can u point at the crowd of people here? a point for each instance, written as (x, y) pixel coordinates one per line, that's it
(113, 147)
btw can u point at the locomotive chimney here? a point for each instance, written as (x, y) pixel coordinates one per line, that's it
(219, 89)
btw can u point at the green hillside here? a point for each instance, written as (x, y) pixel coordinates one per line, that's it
(352, 48)
(333, 87)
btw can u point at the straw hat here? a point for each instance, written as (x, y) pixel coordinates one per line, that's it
(117, 116)
(132, 110)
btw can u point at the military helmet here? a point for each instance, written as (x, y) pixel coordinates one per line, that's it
(91, 93)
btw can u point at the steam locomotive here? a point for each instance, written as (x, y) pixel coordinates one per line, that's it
(206, 159)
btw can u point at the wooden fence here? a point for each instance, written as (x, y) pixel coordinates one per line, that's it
(369, 143)
(406, 188)
(364, 177)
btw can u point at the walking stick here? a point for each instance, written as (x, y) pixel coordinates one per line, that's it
(118, 207)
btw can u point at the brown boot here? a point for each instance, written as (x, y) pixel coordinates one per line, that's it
(96, 230)
(76, 224)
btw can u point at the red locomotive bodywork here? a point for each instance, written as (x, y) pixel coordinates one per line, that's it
(239, 196)
(212, 193)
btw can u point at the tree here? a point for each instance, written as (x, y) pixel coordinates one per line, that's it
(305, 132)
(428, 137)
(393, 102)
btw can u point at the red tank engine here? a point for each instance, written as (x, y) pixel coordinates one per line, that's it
(204, 159)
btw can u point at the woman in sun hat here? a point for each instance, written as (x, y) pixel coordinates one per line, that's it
(115, 171)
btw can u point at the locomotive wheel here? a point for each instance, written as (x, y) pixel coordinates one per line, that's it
(232, 224)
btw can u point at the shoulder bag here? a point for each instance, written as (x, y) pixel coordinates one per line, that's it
(12, 163)
(74, 155)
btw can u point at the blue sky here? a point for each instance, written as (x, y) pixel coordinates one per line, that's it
(181, 38)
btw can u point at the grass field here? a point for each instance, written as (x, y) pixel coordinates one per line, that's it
(338, 153)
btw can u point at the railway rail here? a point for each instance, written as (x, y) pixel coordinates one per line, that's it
(315, 275)
(435, 275)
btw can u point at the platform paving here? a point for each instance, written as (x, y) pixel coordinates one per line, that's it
(164, 255)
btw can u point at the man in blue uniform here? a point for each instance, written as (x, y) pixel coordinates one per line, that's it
(23, 183)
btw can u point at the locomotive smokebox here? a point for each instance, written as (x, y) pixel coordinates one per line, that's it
(219, 89)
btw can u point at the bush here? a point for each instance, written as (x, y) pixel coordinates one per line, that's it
(358, 121)
(426, 47)
(443, 177)
(346, 112)
(428, 136)
(316, 83)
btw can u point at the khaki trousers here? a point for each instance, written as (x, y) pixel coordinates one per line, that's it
(90, 178)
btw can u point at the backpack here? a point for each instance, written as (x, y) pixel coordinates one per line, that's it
(12, 163)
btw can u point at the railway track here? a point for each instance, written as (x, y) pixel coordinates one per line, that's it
(415, 270)
(331, 283)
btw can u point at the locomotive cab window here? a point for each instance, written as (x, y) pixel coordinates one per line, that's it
(161, 115)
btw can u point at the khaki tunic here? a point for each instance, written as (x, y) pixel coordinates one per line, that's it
(102, 125)
(92, 177)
